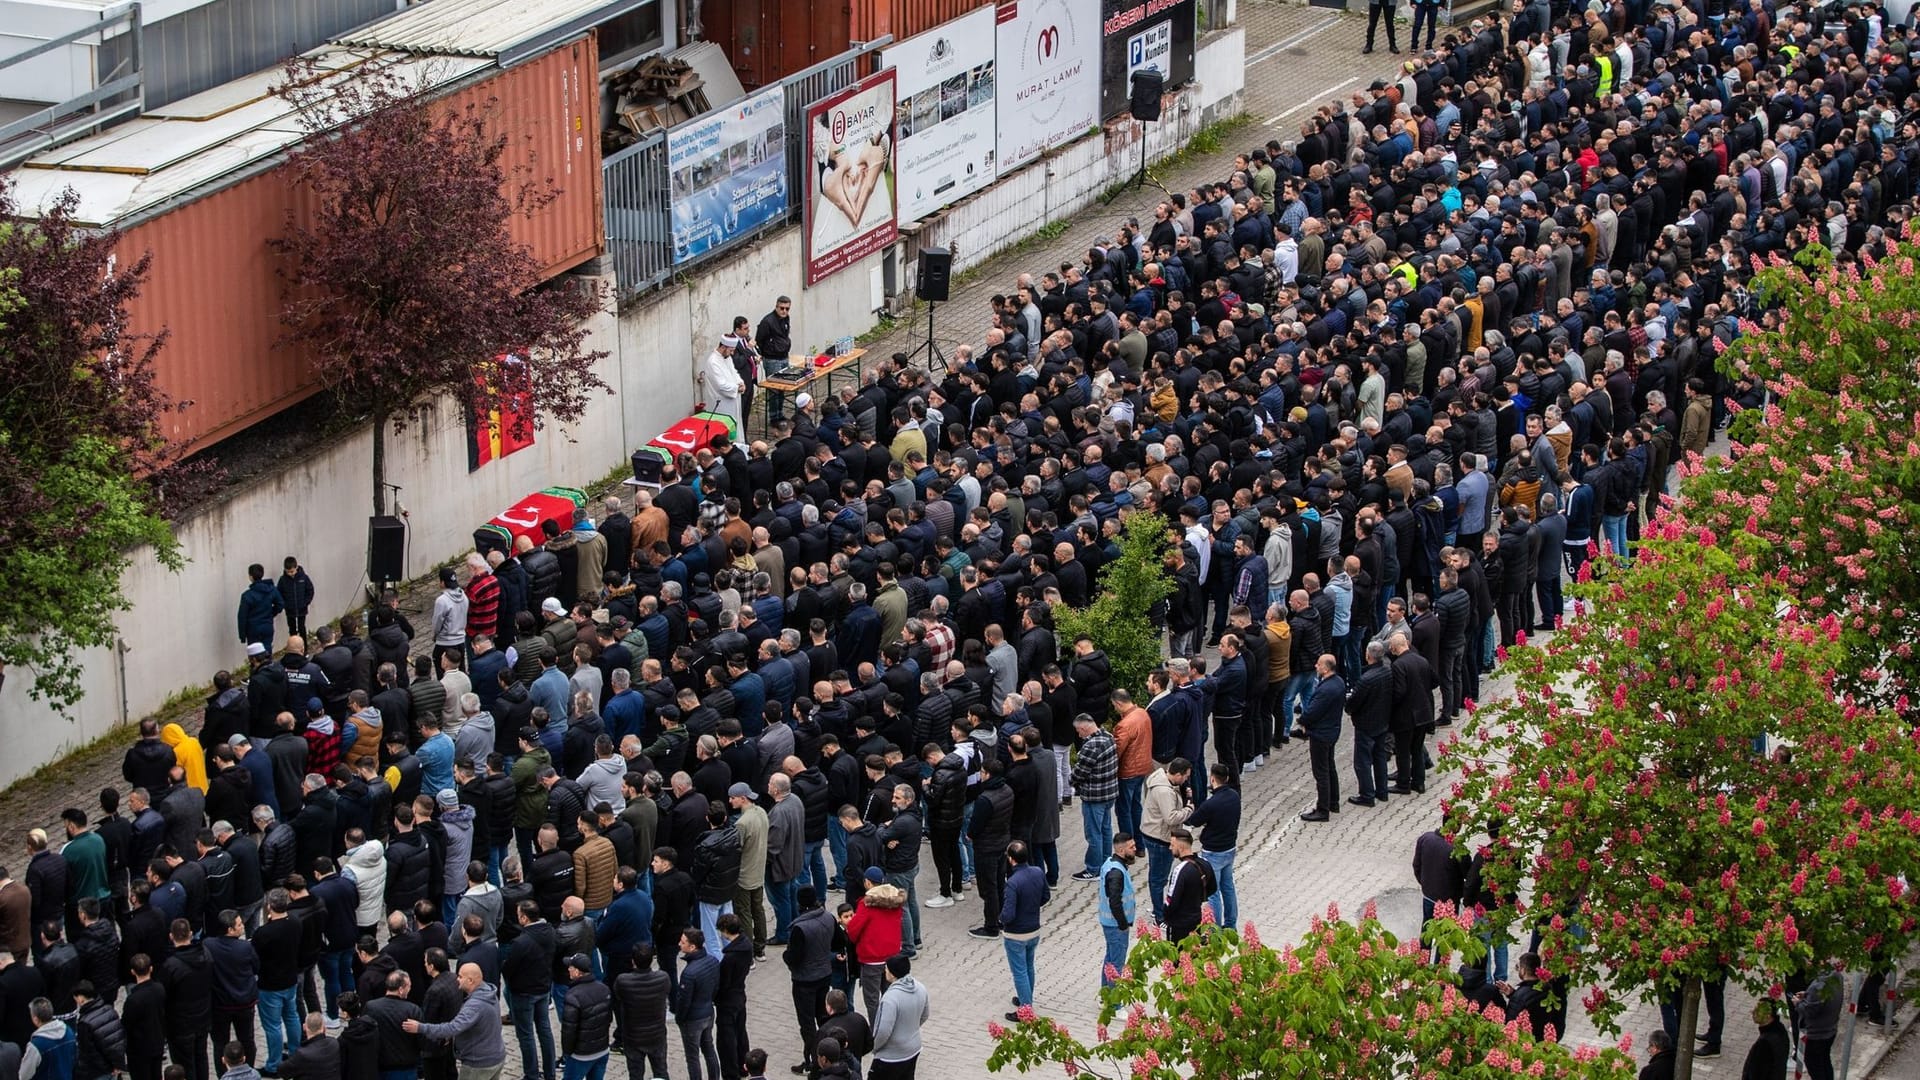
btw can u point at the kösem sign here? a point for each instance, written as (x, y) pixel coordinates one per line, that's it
(1049, 74)
(1140, 34)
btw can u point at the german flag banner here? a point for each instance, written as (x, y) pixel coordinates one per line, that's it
(500, 418)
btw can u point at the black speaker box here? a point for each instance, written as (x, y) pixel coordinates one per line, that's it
(1144, 102)
(936, 275)
(386, 548)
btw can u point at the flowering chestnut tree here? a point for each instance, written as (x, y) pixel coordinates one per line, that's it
(1350, 1000)
(1642, 833)
(1828, 473)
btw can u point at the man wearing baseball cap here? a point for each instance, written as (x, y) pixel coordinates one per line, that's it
(586, 1021)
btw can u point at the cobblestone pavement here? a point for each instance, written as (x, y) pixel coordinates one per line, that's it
(1287, 870)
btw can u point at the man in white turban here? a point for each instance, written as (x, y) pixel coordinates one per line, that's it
(721, 384)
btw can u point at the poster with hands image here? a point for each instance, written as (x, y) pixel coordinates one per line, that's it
(850, 182)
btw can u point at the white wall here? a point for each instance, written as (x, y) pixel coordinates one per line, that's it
(1070, 179)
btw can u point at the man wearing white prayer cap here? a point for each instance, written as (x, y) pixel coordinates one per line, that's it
(721, 385)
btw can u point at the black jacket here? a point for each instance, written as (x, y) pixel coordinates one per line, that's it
(947, 793)
(1413, 683)
(992, 825)
(715, 865)
(1371, 702)
(672, 909)
(527, 968)
(551, 875)
(144, 1016)
(736, 963)
(586, 1022)
(640, 999)
(317, 1059)
(398, 1050)
(103, 1041)
(99, 949)
(409, 870)
(188, 977)
(360, 1049)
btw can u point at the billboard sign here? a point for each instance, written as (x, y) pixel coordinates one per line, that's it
(1136, 35)
(850, 182)
(946, 114)
(728, 172)
(1049, 75)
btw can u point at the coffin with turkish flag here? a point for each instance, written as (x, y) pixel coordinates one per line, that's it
(685, 437)
(524, 518)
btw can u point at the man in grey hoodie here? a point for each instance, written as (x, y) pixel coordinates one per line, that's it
(481, 898)
(604, 777)
(478, 1048)
(896, 1026)
(473, 741)
(456, 819)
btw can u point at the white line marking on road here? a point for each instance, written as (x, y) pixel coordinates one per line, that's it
(1305, 105)
(1287, 43)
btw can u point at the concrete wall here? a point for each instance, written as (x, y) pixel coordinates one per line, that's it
(180, 629)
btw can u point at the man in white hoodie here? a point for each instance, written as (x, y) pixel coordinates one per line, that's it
(366, 867)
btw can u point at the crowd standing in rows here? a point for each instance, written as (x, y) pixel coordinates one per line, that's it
(1387, 383)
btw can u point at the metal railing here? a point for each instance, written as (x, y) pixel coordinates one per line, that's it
(639, 218)
(636, 181)
(82, 114)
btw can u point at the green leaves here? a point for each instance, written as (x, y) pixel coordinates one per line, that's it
(79, 444)
(1118, 620)
(1348, 1001)
(1656, 843)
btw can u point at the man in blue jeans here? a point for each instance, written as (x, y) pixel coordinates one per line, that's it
(276, 950)
(527, 969)
(1164, 809)
(1096, 777)
(1116, 906)
(1219, 817)
(1020, 920)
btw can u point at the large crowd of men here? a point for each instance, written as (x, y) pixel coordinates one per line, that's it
(1388, 383)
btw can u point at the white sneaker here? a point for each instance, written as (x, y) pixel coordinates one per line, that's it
(1259, 760)
(1247, 769)
(940, 902)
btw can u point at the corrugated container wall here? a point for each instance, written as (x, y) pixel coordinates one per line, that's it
(214, 288)
(768, 40)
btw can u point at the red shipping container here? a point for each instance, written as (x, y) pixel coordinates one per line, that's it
(214, 288)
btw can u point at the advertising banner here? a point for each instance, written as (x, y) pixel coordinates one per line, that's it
(1139, 34)
(850, 181)
(1049, 75)
(729, 173)
(946, 115)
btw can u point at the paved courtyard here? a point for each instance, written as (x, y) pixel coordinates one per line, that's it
(1287, 870)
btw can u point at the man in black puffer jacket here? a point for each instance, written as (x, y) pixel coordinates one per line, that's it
(715, 869)
(586, 1019)
(103, 1042)
(99, 947)
(409, 863)
(817, 800)
(946, 813)
(543, 572)
(1092, 677)
(640, 995)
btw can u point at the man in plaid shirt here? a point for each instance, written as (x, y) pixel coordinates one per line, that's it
(1096, 779)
